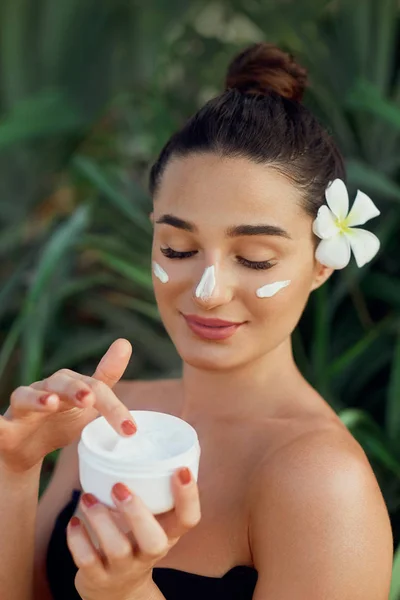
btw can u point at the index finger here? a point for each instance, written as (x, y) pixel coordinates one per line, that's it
(114, 362)
(109, 371)
(107, 404)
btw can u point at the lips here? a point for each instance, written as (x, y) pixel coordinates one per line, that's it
(211, 329)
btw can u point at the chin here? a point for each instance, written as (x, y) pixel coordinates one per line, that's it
(211, 356)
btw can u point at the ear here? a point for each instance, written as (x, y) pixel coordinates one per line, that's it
(321, 274)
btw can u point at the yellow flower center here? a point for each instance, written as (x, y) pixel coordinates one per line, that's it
(342, 225)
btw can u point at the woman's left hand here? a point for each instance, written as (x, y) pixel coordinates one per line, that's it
(122, 569)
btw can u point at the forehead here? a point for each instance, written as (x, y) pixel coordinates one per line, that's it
(231, 191)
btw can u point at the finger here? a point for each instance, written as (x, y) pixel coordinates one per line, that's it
(108, 405)
(150, 537)
(83, 551)
(114, 544)
(187, 511)
(114, 362)
(98, 392)
(25, 399)
(69, 386)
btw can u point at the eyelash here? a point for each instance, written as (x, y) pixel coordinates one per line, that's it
(257, 265)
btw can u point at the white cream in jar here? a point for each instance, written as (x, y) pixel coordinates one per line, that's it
(144, 462)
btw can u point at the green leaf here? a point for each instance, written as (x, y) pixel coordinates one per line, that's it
(382, 286)
(59, 244)
(385, 36)
(371, 437)
(355, 418)
(77, 286)
(116, 244)
(43, 115)
(90, 171)
(14, 24)
(359, 347)
(365, 176)
(300, 354)
(155, 346)
(395, 584)
(320, 344)
(82, 346)
(393, 401)
(140, 306)
(137, 275)
(33, 339)
(385, 231)
(11, 341)
(11, 284)
(366, 97)
(61, 241)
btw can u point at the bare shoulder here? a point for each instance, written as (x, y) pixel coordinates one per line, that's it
(329, 455)
(162, 394)
(317, 512)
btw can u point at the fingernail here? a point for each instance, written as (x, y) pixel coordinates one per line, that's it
(74, 522)
(47, 399)
(128, 427)
(185, 476)
(121, 492)
(81, 394)
(89, 500)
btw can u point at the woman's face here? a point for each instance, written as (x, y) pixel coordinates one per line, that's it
(203, 200)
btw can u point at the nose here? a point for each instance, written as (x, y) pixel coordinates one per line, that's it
(211, 290)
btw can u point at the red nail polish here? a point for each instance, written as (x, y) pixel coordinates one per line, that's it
(81, 394)
(185, 476)
(89, 500)
(128, 427)
(74, 521)
(43, 399)
(121, 492)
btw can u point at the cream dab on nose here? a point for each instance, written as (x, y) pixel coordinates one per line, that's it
(207, 284)
(271, 289)
(160, 273)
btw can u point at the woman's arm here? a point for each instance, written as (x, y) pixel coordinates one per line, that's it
(18, 506)
(320, 527)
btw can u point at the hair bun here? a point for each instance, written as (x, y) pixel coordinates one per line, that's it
(263, 68)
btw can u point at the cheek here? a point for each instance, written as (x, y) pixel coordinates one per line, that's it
(287, 304)
(269, 309)
(179, 281)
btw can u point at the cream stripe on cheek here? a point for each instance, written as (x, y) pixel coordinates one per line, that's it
(160, 273)
(207, 284)
(269, 290)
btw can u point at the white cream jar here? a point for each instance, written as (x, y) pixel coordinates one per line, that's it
(144, 462)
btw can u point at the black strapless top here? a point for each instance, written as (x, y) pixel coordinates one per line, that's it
(236, 584)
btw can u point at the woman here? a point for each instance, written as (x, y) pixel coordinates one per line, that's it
(250, 216)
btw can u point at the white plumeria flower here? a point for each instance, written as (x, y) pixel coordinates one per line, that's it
(336, 227)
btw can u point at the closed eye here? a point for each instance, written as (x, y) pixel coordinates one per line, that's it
(170, 253)
(250, 264)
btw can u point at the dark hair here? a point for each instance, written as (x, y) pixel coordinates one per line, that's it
(259, 116)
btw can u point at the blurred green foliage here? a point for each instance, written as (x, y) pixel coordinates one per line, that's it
(90, 91)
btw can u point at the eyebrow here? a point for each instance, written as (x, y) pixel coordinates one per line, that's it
(236, 231)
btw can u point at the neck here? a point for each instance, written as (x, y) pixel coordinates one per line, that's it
(261, 387)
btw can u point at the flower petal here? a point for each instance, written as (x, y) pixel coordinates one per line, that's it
(362, 211)
(335, 252)
(324, 225)
(364, 244)
(337, 198)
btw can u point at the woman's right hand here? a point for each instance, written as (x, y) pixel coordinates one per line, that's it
(50, 414)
